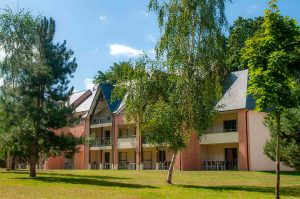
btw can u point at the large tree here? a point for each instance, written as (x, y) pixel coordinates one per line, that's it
(241, 30)
(273, 59)
(36, 74)
(175, 96)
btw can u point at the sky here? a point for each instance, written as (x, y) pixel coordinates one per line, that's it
(101, 32)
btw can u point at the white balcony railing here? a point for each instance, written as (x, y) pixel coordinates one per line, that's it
(101, 120)
(100, 143)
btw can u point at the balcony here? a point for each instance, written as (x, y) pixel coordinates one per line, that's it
(101, 122)
(126, 142)
(98, 143)
(220, 138)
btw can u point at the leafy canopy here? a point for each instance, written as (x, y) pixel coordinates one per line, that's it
(241, 30)
(117, 71)
(273, 59)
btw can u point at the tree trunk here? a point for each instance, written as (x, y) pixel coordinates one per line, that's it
(277, 188)
(32, 163)
(13, 163)
(8, 161)
(171, 168)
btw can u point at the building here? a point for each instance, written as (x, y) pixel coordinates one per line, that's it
(234, 142)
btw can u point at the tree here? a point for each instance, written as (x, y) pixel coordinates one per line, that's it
(16, 36)
(273, 59)
(36, 74)
(117, 71)
(290, 138)
(241, 30)
(175, 96)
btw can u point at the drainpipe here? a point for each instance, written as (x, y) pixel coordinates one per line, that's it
(247, 139)
(113, 141)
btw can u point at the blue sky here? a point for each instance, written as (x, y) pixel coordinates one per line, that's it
(101, 32)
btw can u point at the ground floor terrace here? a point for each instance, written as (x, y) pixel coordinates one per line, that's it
(212, 157)
(145, 184)
(129, 159)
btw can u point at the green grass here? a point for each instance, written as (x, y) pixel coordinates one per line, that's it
(146, 184)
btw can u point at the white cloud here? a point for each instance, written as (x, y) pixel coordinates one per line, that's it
(145, 13)
(102, 18)
(1, 81)
(123, 50)
(88, 82)
(151, 37)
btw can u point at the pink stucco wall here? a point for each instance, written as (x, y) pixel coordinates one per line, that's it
(258, 135)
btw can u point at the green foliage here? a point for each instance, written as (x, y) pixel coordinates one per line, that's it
(241, 30)
(33, 100)
(162, 129)
(290, 144)
(273, 59)
(121, 70)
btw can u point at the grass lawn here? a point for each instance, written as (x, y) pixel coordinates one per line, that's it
(145, 184)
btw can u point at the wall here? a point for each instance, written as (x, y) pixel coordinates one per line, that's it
(258, 135)
(79, 163)
(189, 158)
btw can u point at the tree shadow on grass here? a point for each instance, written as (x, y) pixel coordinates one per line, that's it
(66, 175)
(86, 181)
(82, 176)
(288, 173)
(285, 191)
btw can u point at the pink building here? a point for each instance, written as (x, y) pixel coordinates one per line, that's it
(234, 142)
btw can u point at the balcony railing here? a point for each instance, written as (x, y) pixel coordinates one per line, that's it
(101, 120)
(100, 143)
(127, 136)
(124, 165)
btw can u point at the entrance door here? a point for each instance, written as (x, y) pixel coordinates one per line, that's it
(162, 156)
(106, 157)
(107, 135)
(147, 156)
(231, 158)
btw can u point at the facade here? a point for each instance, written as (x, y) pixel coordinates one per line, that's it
(234, 142)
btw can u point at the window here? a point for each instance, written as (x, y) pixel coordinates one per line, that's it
(162, 156)
(123, 133)
(107, 134)
(106, 157)
(230, 126)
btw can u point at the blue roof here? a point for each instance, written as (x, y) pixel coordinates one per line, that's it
(107, 92)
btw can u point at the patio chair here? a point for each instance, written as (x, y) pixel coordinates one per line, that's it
(213, 165)
(204, 165)
(161, 166)
(223, 165)
(166, 165)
